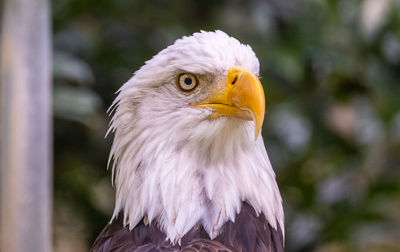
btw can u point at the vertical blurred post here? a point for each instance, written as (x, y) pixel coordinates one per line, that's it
(25, 126)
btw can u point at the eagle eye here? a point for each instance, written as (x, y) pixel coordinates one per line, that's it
(187, 82)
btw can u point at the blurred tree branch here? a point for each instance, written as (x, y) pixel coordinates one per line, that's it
(25, 126)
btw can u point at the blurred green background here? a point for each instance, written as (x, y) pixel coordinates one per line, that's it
(331, 73)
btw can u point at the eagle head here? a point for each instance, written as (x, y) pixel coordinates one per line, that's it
(186, 144)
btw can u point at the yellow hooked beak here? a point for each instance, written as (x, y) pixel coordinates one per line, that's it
(243, 97)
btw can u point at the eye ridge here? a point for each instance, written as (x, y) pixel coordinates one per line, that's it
(187, 82)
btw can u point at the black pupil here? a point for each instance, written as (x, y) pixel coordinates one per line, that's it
(188, 81)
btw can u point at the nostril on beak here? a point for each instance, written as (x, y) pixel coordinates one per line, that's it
(234, 80)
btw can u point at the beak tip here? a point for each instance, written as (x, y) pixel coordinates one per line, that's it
(256, 135)
(258, 122)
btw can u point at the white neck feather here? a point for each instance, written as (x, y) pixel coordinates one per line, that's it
(179, 177)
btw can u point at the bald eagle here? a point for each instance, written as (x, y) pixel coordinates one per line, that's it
(190, 169)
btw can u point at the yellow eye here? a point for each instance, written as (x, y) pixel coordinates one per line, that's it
(187, 82)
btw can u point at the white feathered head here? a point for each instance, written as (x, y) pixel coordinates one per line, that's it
(186, 146)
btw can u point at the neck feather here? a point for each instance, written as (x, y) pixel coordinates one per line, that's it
(180, 181)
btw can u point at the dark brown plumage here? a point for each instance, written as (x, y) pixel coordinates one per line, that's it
(249, 233)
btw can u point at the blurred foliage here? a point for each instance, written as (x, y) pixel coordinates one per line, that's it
(331, 72)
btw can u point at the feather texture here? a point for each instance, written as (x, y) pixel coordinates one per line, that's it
(174, 166)
(249, 233)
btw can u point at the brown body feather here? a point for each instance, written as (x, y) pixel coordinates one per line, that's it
(249, 233)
